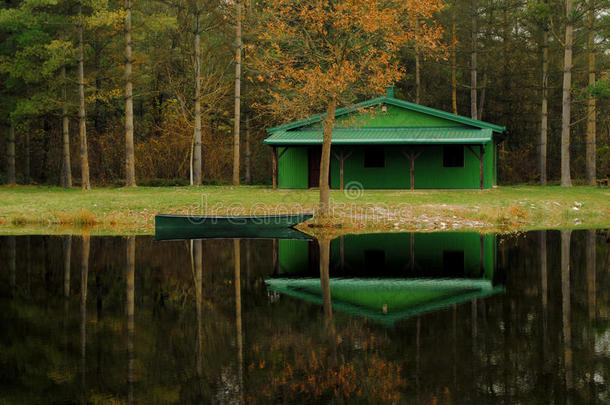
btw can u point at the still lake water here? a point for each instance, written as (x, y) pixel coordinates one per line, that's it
(403, 318)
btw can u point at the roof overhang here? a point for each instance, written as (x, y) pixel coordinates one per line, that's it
(382, 136)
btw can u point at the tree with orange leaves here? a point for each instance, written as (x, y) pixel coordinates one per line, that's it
(329, 52)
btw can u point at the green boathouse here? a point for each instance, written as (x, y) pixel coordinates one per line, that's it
(388, 143)
(389, 277)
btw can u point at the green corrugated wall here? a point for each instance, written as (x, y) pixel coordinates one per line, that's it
(429, 247)
(293, 169)
(429, 170)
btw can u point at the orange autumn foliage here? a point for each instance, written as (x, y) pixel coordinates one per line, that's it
(311, 52)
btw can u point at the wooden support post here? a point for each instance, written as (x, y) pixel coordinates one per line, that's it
(411, 156)
(274, 166)
(341, 158)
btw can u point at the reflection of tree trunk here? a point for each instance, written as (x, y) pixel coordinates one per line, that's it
(324, 245)
(238, 325)
(197, 246)
(325, 278)
(130, 309)
(565, 294)
(83, 313)
(591, 281)
(592, 303)
(454, 328)
(543, 294)
(12, 262)
(67, 248)
(417, 357)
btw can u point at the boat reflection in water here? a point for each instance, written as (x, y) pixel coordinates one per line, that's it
(388, 277)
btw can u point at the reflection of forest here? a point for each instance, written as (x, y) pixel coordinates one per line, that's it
(547, 333)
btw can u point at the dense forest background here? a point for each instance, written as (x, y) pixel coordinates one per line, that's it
(39, 85)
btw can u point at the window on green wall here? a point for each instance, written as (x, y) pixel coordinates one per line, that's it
(374, 156)
(453, 156)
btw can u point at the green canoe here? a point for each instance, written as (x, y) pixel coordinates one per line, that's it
(221, 227)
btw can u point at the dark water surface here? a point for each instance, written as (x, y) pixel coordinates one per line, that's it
(402, 318)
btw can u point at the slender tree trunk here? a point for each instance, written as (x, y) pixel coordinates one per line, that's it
(84, 154)
(544, 114)
(329, 123)
(197, 258)
(566, 100)
(591, 113)
(248, 154)
(26, 159)
(10, 156)
(130, 171)
(65, 178)
(197, 131)
(417, 77)
(453, 59)
(482, 98)
(473, 61)
(237, 94)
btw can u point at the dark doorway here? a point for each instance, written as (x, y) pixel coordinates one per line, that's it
(315, 156)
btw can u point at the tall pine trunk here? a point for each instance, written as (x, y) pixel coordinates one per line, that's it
(417, 76)
(237, 94)
(453, 59)
(26, 158)
(130, 171)
(544, 114)
(84, 155)
(10, 156)
(65, 178)
(197, 110)
(591, 113)
(566, 100)
(329, 123)
(473, 61)
(247, 154)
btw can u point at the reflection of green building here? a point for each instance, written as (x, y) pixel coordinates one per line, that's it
(387, 277)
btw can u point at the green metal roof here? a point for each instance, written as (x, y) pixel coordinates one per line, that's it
(381, 136)
(398, 103)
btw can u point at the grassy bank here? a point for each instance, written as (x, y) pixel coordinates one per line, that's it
(32, 209)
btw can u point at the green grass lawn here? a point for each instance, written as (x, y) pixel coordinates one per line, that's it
(35, 209)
